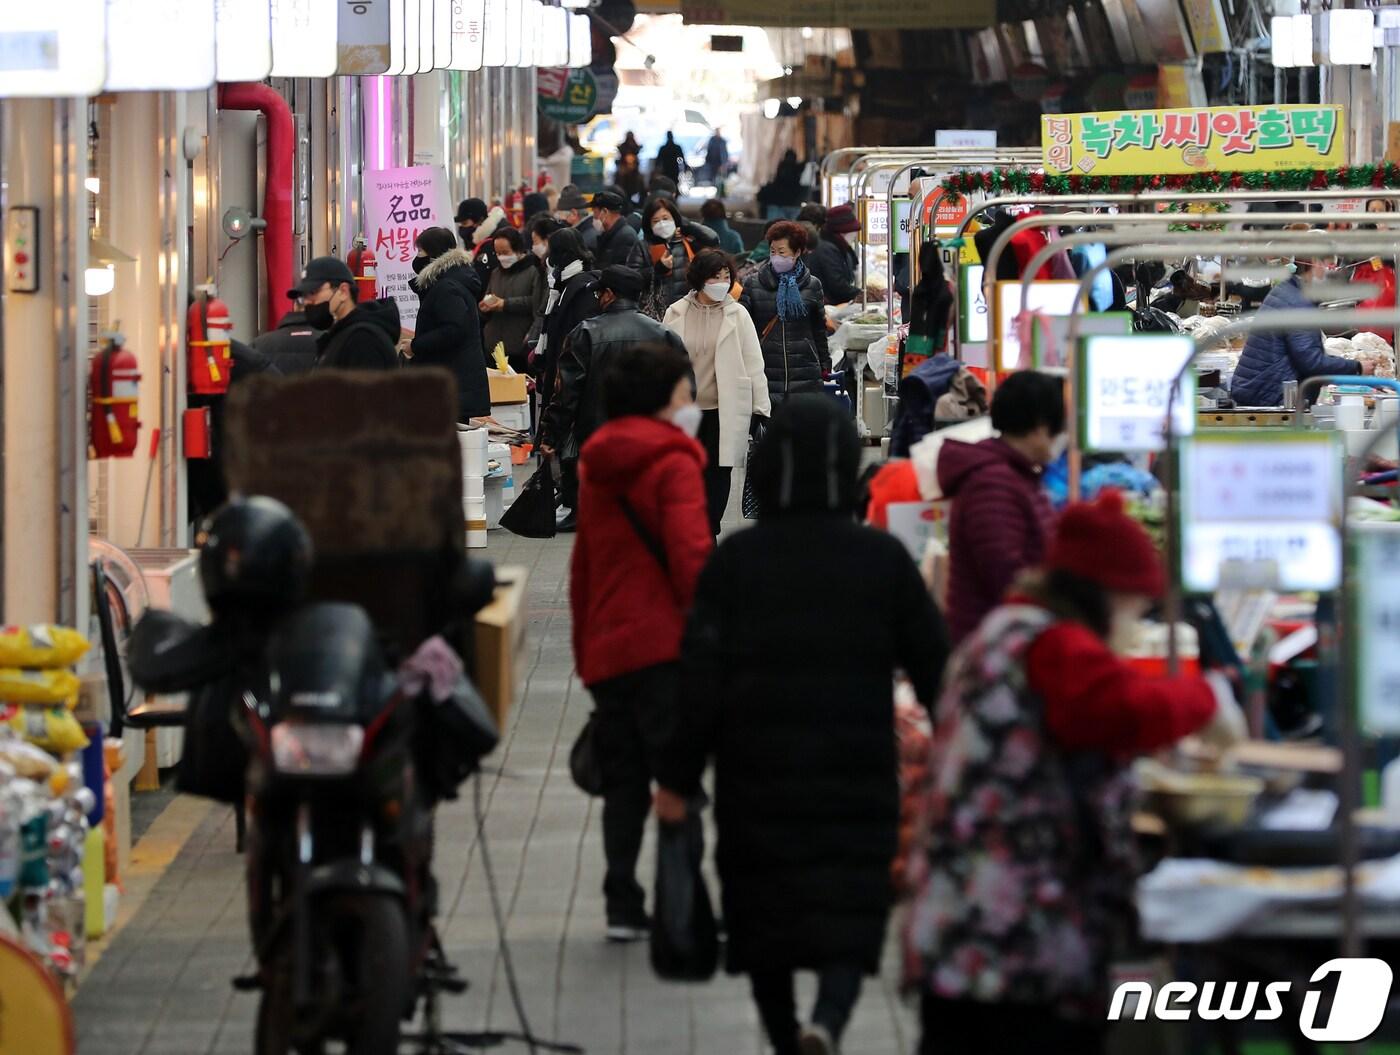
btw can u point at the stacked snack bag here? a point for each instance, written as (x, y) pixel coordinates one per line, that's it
(44, 803)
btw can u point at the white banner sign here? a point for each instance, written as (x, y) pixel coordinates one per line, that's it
(363, 38)
(969, 138)
(1046, 296)
(242, 40)
(52, 49)
(975, 316)
(304, 37)
(181, 32)
(1124, 382)
(468, 34)
(399, 205)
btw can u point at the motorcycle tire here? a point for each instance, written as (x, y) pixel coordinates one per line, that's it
(370, 931)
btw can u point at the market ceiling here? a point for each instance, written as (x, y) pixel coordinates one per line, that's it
(846, 14)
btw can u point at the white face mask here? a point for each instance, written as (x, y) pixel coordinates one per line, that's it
(508, 261)
(716, 290)
(688, 419)
(664, 229)
(540, 249)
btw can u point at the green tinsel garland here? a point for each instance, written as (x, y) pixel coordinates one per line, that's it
(1025, 181)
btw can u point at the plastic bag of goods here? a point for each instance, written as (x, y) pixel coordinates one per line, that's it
(30, 762)
(1379, 349)
(40, 645)
(52, 728)
(58, 687)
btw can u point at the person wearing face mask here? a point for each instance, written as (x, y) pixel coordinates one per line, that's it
(802, 735)
(643, 537)
(731, 389)
(515, 297)
(353, 336)
(1025, 866)
(1001, 516)
(788, 310)
(448, 331)
(572, 209)
(1271, 358)
(663, 254)
(616, 239)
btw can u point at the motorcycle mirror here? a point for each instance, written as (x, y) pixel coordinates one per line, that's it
(167, 653)
(474, 586)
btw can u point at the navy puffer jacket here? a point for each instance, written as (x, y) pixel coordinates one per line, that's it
(1270, 359)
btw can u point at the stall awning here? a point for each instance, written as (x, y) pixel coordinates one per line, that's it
(848, 14)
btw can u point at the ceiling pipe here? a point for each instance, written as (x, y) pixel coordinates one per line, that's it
(277, 196)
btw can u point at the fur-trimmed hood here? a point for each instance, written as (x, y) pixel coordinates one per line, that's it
(439, 267)
(487, 229)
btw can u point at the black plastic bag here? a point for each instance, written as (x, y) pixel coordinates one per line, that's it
(684, 936)
(584, 764)
(531, 515)
(214, 761)
(453, 736)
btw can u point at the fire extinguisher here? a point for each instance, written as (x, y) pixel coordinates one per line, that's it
(208, 327)
(362, 265)
(515, 206)
(113, 380)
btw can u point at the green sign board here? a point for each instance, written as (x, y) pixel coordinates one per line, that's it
(569, 100)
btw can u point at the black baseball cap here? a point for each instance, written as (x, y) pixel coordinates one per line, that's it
(318, 272)
(626, 282)
(472, 209)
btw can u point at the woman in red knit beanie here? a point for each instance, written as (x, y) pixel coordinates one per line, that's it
(1025, 874)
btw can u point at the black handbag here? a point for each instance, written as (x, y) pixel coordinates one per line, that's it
(750, 500)
(684, 934)
(532, 513)
(584, 765)
(453, 736)
(214, 759)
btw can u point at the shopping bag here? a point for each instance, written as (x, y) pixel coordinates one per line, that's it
(750, 500)
(584, 765)
(214, 760)
(531, 515)
(684, 935)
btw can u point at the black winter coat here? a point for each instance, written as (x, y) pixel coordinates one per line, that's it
(292, 346)
(801, 733)
(522, 287)
(835, 266)
(578, 409)
(577, 302)
(448, 331)
(795, 355)
(663, 266)
(366, 339)
(615, 246)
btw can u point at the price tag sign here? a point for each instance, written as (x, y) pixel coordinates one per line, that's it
(1047, 296)
(903, 220)
(838, 191)
(1261, 511)
(973, 302)
(877, 221)
(1375, 625)
(1123, 384)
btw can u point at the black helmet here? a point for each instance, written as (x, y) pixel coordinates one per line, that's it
(253, 552)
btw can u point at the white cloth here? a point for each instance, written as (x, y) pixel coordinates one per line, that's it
(556, 286)
(739, 376)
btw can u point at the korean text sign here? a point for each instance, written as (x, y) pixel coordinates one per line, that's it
(1123, 387)
(1261, 510)
(1375, 573)
(1045, 297)
(399, 205)
(1222, 138)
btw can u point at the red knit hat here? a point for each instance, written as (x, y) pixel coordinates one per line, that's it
(842, 219)
(1098, 541)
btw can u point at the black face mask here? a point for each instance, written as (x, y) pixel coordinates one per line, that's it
(419, 263)
(319, 316)
(466, 234)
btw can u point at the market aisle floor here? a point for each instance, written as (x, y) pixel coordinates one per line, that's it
(161, 988)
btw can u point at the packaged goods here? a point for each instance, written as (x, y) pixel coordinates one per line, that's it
(39, 686)
(40, 645)
(52, 728)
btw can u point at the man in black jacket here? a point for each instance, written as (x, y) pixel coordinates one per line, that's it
(577, 408)
(832, 259)
(357, 336)
(615, 235)
(572, 209)
(292, 346)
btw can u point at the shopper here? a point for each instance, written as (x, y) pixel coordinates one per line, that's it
(663, 254)
(353, 336)
(785, 302)
(716, 159)
(532, 205)
(538, 232)
(642, 540)
(616, 239)
(833, 260)
(1025, 873)
(782, 197)
(931, 301)
(579, 404)
(670, 160)
(471, 214)
(717, 220)
(1001, 517)
(448, 331)
(629, 147)
(730, 385)
(292, 346)
(572, 209)
(802, 735)
(515, 298)
(630, 181)
(484, 248)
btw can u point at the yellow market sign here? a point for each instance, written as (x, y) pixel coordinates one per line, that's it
(1221, 138)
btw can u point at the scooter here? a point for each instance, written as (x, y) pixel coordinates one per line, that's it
(343, 762)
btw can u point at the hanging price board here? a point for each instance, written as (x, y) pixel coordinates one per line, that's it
(875, 218)
(1045, 297)
(972, 300)
(903, 219)
(1261, 510)
(1122, 389)
(1374, 625)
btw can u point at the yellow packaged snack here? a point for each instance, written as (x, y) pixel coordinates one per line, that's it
(40, 645)
(51, 728)
(39, 686)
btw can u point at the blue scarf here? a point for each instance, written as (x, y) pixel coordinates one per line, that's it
(790, 304)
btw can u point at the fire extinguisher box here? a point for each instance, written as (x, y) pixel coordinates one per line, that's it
(198, 440)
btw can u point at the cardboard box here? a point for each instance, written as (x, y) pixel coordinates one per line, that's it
(507, 388)
(500, 643)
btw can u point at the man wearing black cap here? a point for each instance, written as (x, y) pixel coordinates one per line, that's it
(471, 214)
(292, 346)
(356, 336)
(572, 209)
(615, 235)
(577, 409)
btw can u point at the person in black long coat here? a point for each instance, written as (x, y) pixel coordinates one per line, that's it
(802, 734)
(448, 331)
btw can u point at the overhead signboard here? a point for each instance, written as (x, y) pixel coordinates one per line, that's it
(568, 96)
(1045, 297)
(515, 41)
(242, 40)
(362, 45)
(181, 32)
(903, 224)
(304, 38)
(974, 317)
(1123, 387)
(842, 14)
(1373, 625)
(580, 41)
(1261, 510)
(494, 53)
(397, 17)
(399, 205)
(1186, 141)
(53, 49)
(967, 138)
(468, 34)
(875, 220)
(442, 33)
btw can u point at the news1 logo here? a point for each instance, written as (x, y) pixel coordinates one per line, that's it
(1359, 991)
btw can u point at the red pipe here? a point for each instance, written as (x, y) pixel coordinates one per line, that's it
(277, 197)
